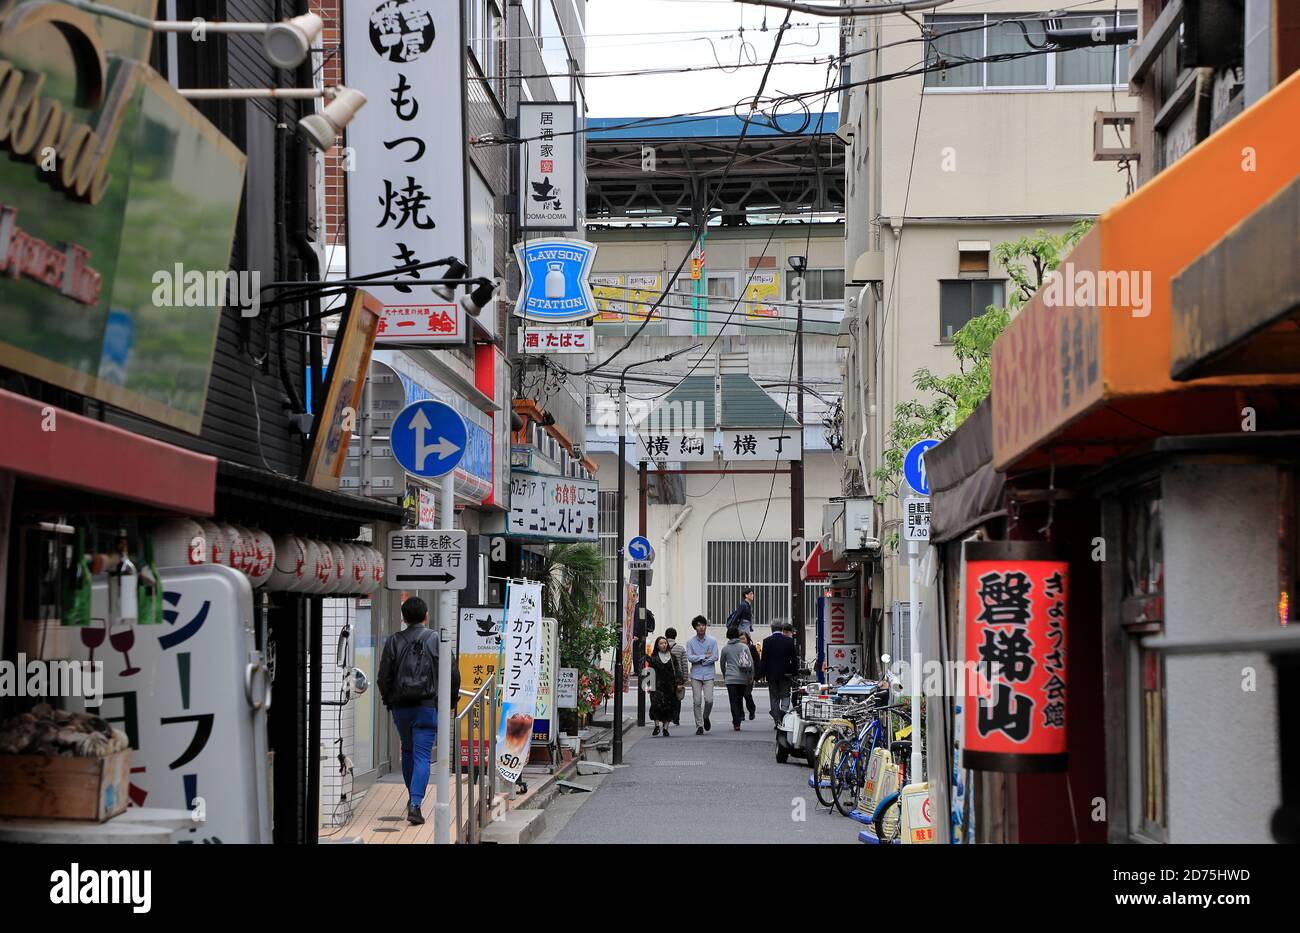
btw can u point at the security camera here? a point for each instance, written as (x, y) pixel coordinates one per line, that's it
(321, 129)
(845, 132)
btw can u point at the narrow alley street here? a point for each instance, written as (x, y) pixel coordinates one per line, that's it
(721, 787)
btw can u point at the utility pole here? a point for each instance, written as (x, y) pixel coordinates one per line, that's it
(638, 652)
(798, 264)
(619, 673)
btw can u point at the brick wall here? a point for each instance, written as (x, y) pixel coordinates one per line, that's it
(332, 74)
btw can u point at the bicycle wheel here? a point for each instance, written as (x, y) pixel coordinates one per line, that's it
(846, 787)
(888, 819)
(824, 768)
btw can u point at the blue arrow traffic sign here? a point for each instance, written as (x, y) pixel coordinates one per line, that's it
(914, 466)
(639, 549)
(428, 438)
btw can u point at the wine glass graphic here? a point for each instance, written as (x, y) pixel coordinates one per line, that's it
(123, 639)
(93, 637)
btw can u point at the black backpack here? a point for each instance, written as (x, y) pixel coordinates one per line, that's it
(415, 672)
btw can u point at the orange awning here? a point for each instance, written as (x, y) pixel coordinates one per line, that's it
(1085, 367)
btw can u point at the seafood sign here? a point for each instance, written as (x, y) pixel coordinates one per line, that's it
(521, 651)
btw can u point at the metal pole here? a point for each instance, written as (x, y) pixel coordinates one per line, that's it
(796, 496)
(638, 651)
(446, 639)
(622, 491)
(913, 549)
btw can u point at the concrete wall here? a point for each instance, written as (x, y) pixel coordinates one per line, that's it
(677, 592)
(1220, 580)
(983, 164)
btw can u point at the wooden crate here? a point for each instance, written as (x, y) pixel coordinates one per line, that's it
(40, 787)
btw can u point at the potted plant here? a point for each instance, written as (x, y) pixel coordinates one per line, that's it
(571, 580)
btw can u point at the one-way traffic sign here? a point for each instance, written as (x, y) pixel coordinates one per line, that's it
(426, 560)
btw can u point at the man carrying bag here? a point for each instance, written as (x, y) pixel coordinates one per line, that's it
(408, 685)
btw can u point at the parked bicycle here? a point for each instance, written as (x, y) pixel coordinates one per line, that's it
(852, 757)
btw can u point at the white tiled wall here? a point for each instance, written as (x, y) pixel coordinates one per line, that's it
(336, 613)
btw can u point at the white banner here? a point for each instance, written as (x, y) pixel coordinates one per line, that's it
(406, 156)
(548, 166)
(521, 646)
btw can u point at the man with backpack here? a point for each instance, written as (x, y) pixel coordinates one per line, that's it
(408, 685)
(742, 617)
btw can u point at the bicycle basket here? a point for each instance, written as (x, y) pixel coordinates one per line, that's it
(818, 710)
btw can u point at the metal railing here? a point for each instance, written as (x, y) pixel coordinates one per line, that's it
(474, 797)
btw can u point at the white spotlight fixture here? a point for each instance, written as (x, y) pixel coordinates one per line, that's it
(288, 42)
(478, 299)
(321, 129)
(455, 270)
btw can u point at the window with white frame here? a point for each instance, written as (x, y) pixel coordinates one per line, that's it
(484, 29)
(608, 535)
(764, 565)
(965, 41)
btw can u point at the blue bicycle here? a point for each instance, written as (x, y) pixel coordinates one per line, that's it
(852, 757)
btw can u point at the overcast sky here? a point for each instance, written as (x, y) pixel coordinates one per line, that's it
(626, 35)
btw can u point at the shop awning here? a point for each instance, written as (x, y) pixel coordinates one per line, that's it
(965, 489)
(62, 448)
(1237, 308)
(1083, 372)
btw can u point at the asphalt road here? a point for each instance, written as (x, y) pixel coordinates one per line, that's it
(721, 787)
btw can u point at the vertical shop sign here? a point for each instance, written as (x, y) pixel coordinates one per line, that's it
(1016, 599)
(408, 186)
(544, 709)
(548, 166)
(478, 649)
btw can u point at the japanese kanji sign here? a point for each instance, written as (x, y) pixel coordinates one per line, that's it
(521, 654)
(552, 507)
(478, 651)
(548, 166)
(1016, 605)
(916, 518)
(407, 189)
(763, 443)
(557, 340)
(544, 709)
(674, 445)
(426, 560)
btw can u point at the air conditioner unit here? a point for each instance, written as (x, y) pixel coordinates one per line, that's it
(860, 524)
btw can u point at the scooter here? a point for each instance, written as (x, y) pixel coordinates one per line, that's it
(795, 736)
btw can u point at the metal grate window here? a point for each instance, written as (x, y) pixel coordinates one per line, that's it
(765, 565)
(608, 532)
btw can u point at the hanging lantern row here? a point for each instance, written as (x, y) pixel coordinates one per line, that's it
(284, 563)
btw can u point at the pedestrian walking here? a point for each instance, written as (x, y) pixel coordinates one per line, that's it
(780, 664)
(668, 677)
(683, 669)
(747, 638)
(737, 674)
(742, 617)
(702, 654)
(408, 685)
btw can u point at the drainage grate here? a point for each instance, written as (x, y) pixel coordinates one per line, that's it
(678, 763)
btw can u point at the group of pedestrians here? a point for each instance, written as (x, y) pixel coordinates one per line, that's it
(696, 663)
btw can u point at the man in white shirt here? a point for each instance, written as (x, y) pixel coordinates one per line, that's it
(702, 654)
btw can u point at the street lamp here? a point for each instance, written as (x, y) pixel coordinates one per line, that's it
(622, 531)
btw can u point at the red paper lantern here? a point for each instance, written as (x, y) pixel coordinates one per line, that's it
(1016, 608)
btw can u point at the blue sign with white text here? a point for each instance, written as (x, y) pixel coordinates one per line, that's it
(555, 275)
(428, 438)
(914, 466)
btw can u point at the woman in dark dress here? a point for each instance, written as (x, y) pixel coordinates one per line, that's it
(667, 680)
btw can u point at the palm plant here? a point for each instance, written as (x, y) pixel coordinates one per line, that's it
(571, 577)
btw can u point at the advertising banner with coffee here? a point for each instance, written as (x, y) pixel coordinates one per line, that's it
(521, 648)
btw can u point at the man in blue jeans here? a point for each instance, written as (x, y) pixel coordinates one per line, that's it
(408, 684)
